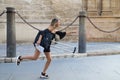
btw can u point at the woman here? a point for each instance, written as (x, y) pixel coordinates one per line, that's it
(42, 43)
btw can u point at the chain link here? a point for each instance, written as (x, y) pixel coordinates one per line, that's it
(70, 24)
(27, 22)
(39, 29)
(101, 29)
(3, 12)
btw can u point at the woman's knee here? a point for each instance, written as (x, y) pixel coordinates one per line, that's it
(34, 58)
(49, 60)
(36, 55)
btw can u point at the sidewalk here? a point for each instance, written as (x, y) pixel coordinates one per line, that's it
(64, 66)
(84, 68)
(64, 50)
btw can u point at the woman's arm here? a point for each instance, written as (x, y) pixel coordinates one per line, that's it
(63, 34)
(39, 40)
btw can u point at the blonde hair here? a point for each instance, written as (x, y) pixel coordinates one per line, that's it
(55, 20)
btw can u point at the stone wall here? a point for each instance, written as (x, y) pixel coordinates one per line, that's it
(40, 12)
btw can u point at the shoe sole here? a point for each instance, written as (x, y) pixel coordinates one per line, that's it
(44, 77)
(18, 63)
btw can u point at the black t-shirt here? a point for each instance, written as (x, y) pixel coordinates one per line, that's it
(47, 37)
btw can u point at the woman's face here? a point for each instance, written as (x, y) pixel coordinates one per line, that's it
(57, 23)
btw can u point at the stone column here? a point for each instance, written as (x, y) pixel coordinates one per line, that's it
(85, 4)
(99, 7)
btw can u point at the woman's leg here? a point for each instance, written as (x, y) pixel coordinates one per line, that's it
(48, 56)
(34, 57)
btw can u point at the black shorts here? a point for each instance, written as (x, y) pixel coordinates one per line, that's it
(45, 49)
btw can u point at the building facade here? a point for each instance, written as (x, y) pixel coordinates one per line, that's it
(105, 14)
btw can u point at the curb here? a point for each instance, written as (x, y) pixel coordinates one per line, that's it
(103, 53)
(13, 59)
(67, 55)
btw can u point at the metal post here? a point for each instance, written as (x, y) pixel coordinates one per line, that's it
(82, 33)
(11, 38)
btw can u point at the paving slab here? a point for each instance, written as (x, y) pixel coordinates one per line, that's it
(84, 68)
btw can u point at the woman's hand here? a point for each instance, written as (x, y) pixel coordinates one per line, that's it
(38, 43)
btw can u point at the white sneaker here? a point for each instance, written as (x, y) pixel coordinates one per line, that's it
(44, 76)
(18, 60)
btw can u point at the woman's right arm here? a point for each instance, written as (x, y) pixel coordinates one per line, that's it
(39, 40)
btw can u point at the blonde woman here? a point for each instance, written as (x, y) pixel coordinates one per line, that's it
(42, 44)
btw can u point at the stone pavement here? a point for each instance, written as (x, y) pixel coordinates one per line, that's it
(65, 66)
(84, 68)
(64, 50)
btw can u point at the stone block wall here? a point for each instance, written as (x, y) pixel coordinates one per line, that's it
(40, 12)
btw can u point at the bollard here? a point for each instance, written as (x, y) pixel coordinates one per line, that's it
(82, 33)
(11, 38)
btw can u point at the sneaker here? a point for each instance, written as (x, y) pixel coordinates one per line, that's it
(44, 76)
(19, 60)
